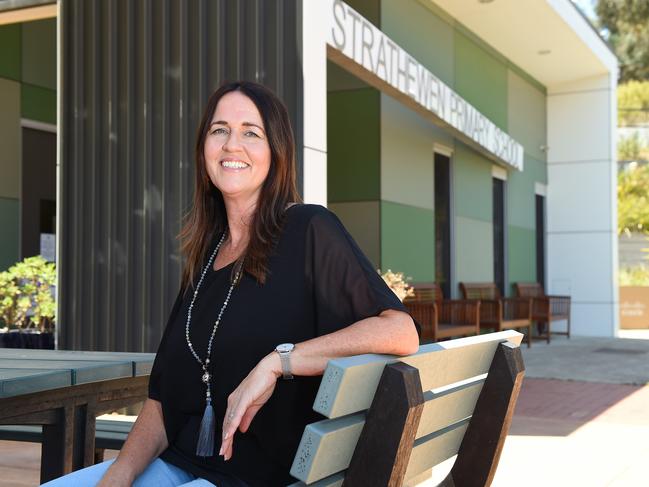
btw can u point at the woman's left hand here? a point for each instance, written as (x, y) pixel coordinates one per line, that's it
(247, 399)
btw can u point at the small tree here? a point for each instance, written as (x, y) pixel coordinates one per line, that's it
(26, 294)
(626, 24)
(633, 103)
(633, 200)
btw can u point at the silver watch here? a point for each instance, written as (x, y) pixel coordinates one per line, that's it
(284, 350)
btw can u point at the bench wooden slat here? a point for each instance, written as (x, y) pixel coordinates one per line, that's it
(327, 447)
(335, 480)
(435, 448)
(448, 407)
(348, 384)
(110, 434)
(334, 440)
(334, 449)
(15, 381)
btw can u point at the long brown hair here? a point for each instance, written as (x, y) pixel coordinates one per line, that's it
(208, 217)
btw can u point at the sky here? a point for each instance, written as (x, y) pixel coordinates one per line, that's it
(587, 7)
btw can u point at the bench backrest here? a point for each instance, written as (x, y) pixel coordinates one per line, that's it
(438, 399)
(425, 292)
(529, 290)
(479, 290)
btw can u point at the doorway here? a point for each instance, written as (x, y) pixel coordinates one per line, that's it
(499, 233)
(442, 189)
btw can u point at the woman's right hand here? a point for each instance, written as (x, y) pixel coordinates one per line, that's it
(146, 441)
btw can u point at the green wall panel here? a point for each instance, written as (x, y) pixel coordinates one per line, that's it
(39, 53)
(423, 34)
(10, 51)
(535, 169)
(339, 79)
(407, 174)
(370, 9)
(362, 221)
(472, 186)
(10, 139)
(9, 217)
(408, 240)
(481, 79)
(527, 115)
(473, 250)
(353, 158)
(520, 199)
(521, 251)
(38, 103)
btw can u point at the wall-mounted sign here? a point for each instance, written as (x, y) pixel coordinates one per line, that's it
(360, 41)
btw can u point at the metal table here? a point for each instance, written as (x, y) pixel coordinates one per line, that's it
(64, 391)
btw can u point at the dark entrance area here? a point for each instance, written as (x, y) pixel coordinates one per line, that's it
(540, 239)
(499, 233)
(443, 223)
(38, 188)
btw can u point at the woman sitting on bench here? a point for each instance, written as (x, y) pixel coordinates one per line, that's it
(272, 290)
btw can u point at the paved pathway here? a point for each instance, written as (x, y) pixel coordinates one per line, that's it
(582, 419)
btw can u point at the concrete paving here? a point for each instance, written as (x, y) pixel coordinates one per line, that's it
(582, 419)
(609, 360)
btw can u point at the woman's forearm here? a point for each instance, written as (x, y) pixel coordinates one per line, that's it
(146, 441)
(392, 332)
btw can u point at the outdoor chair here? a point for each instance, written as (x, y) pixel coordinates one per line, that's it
(442, 318)
(545, 309)
(498, 313)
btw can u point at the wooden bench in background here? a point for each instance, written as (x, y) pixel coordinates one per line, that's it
(391, 419)
(110, 434)
(498, 313)
(442, 318)
(545, 309)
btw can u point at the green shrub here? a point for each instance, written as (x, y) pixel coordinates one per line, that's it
(633, 103)
(634, 276)
(26, 299)
(633, 200)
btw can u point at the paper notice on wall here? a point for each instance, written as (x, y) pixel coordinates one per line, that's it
(48, 246)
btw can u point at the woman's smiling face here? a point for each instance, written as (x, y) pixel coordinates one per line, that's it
(237, 153)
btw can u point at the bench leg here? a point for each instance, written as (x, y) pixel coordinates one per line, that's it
(56, 446)
(99, 455)
(383, 450)
(483, 441)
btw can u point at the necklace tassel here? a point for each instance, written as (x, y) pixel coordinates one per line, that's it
(205, 446)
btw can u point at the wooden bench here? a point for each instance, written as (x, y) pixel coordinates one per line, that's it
(498, 313)
(390, 420)
(110, 434)
(442, 318)
(545, 309)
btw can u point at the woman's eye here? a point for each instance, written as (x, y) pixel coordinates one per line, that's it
(250, 133)
(219, 131)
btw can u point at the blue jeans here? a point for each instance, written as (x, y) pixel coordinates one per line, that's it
(159, 473)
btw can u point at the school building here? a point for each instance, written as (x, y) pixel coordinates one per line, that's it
(458, 141)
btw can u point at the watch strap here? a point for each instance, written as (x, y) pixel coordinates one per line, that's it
(286, 365)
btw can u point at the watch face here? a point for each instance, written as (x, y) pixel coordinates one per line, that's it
(285, 347)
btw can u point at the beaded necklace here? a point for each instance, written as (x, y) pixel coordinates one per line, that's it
(205, 444)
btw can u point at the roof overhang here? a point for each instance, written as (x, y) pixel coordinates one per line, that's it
(549, 39)
(15, 11)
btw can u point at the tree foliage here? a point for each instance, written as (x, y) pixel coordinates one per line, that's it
(633, 200)
(633, 103)
(627, 25)
(26, 294)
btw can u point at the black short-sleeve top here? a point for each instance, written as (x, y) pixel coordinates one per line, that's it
(318, 282)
